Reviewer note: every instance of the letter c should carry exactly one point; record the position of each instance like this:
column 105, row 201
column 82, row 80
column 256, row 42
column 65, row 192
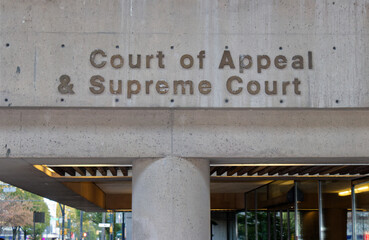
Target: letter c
column 93, row 56
column 229, row 85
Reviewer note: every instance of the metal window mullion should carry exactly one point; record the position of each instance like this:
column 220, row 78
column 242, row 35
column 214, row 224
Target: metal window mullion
column 245, row 200
column 256, row 215
column 236, row 223
column 281, row 223
column 288, row 225
column 353, row 214
column 269, row 225
column 274, row 225
column 228, row 238
column 320, row 198
column 296, row 214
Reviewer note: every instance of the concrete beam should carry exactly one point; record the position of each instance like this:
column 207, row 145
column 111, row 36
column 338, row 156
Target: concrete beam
column 224, row 136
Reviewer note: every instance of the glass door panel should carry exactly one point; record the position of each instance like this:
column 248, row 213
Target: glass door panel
column 362, row 211
column 336, row 209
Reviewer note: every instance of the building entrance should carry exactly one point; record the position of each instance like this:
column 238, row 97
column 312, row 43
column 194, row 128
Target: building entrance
column 307, row 210
column 253, row 202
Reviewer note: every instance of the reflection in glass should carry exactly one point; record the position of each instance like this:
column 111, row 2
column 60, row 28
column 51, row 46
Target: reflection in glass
column 336, row 210
column 362, row 208
column 250, row 216
column 262, row 213
column 323, row 210
column 269, row 212
column 308, row 219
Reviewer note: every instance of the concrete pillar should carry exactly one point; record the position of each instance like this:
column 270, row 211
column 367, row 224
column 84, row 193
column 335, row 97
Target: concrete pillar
column 171, row 199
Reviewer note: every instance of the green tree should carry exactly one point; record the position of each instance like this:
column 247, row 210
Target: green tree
column 262, row 220
column 29, row 203
column 90, row 222
column 15, row 213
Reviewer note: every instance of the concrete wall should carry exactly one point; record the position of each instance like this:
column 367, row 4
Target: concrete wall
column 41, row 40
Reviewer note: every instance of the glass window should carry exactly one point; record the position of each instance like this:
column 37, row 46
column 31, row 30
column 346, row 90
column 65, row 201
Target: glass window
column 250, row 216
column 271, row 213
column 262, row 213
column 362, row 208
column 308, row 210
column 241, row 226
column 336, row 209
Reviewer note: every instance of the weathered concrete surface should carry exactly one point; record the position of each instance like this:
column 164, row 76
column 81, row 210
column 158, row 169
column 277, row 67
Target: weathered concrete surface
column 271, row 134
column 171, row 199
column 82, row 133
column 337, row 33
column 229, row 136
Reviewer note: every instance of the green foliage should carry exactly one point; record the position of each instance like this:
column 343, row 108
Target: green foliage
column 91, row 221
column 262, row 225
column 241, row 226
column 33, row 203
column 38, row 205
column 91, row 224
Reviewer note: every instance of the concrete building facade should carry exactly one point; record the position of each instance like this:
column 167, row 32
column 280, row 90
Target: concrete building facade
column 172, row 109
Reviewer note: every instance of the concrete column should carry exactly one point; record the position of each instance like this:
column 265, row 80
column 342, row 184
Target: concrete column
column 171, row 199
